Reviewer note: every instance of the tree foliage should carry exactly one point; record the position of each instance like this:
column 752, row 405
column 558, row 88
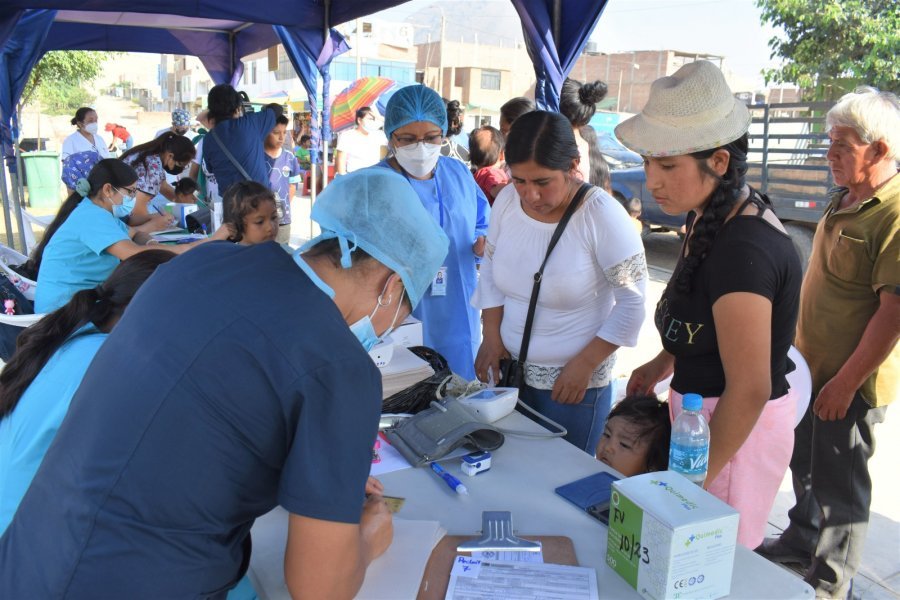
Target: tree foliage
column 833, row 45
column 64, row 68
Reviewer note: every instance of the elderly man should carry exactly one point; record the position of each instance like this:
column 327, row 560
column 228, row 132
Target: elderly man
column 847, row 330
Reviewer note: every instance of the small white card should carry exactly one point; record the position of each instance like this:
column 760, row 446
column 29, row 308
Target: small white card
column 439, row 283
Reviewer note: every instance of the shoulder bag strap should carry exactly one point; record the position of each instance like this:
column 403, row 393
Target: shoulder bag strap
column 529, row 320
column 229, row 155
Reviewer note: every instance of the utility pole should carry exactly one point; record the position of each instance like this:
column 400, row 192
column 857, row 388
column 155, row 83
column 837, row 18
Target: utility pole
column 441, row 55
column 358, row 43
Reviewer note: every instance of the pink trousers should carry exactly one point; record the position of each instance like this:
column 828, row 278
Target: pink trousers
column 750, row 480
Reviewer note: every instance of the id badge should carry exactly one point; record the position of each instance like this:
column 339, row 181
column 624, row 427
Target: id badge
column 439, row 283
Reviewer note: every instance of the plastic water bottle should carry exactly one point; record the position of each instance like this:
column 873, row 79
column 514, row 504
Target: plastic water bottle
column 689, row 450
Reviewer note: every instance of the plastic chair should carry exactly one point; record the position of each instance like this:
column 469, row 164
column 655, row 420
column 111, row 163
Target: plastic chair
column 8, row 257
column 10, row 328
column 800, row 380
column 30, row 221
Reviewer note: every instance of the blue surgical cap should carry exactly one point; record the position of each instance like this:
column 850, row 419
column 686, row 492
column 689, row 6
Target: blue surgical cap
column 414, row 103
column 377, row 210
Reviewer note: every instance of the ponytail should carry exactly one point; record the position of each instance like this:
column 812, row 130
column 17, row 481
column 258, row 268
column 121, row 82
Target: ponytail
column 102, row 306
column 109, row 170
column 181, row 148
column 718, row 207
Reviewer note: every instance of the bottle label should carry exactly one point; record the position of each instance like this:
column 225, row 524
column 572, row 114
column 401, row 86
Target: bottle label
column 688, row 460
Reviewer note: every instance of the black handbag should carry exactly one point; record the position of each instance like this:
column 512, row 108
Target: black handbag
column 512, row 371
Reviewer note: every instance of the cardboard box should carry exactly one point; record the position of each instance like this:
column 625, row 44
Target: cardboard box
column 409, row 333
column 669, row 538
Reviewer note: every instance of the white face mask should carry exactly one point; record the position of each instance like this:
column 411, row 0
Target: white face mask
column 91, row 127
column 418, row 159
column 369, row 125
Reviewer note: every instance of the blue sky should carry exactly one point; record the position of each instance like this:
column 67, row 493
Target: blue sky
column 730, row 28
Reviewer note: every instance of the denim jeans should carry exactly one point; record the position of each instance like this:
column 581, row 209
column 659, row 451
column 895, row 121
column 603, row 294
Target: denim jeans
column 584, row 421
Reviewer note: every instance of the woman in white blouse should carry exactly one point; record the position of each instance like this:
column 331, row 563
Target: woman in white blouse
column 592, row 295
column 83, row 149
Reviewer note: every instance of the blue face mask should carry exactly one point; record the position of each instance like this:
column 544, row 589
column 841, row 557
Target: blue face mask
column 365, row 331
column 120, row 211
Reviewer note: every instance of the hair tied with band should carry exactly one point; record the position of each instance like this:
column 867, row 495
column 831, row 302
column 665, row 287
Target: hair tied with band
column 83, row 187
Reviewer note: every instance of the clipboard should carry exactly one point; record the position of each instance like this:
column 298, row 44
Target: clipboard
column 556, row 549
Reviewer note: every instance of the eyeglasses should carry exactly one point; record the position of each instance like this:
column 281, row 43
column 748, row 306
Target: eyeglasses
column 131, row 191
column 408, row 140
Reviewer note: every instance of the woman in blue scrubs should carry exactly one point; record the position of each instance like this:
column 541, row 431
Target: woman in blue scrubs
column 415, row 122
column 87, row 239
column 37, row 385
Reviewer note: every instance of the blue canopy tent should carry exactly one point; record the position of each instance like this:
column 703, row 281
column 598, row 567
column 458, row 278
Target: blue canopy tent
column 220, row 32
column 226, row 32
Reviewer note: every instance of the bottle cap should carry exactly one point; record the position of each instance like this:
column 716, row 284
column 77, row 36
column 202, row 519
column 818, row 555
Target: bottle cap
column 691, row 402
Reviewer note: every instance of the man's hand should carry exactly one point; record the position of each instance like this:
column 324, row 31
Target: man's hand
column 833, row 400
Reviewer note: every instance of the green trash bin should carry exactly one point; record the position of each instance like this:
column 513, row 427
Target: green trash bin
column 43, row 173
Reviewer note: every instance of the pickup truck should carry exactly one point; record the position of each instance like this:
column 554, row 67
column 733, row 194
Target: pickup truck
column 786, row 161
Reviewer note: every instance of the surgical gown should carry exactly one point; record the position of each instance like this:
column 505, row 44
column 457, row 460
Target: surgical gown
column 450, row 324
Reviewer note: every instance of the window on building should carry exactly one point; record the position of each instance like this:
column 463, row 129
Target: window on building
column 420, row 77
column 253, row 72
column 490, row 80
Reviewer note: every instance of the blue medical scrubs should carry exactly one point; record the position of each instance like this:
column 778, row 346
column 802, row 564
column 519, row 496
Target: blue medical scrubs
column 450, row 324
column 76, row 258
column 188, row 425
column 26, row 432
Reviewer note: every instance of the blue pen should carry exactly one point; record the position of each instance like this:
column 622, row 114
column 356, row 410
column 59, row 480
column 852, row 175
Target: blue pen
column 452, row 481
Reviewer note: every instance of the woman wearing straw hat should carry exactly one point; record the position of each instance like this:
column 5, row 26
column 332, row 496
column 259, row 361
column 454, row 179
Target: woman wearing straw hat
column 727, row 316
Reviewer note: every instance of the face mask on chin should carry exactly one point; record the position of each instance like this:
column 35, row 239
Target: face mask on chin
column 364, row 330
column 174, row 170
column 418, row 159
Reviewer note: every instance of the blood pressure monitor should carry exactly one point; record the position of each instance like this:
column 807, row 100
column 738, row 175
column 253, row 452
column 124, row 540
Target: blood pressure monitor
column 491, row 404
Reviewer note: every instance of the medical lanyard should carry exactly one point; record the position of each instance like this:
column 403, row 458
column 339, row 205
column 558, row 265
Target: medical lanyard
column 437, row 189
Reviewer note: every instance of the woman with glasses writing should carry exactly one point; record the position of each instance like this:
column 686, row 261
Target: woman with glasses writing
column 415, row 122
column 87, row 239
column 169, row 153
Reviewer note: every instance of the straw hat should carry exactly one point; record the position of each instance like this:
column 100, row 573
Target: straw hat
column 688, row 111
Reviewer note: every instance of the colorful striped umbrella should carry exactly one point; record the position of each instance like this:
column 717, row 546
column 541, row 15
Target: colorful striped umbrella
column 362, row 92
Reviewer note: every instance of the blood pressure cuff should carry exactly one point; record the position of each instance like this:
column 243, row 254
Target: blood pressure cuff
column 435, row 432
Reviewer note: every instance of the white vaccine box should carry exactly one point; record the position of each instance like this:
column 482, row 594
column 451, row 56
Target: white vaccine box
column 669, row 538
column 409, row 333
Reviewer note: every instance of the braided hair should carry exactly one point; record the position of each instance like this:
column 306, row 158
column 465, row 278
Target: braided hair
column 102, row 305
column 715, row 211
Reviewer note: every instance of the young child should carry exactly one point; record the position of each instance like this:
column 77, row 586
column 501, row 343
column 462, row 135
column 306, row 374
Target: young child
column 635, row 439
column 254, row 213
column 184, row 191
column 486, row 154
column 284, row 174
column 302, row 151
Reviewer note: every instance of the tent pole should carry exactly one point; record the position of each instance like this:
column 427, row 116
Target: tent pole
column 18, row 195
column 557, row 21
column 327, row 35
column 6, row 208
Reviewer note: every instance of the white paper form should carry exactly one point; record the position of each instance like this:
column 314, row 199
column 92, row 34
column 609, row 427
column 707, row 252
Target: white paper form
column 398, row 572
column 473, row 579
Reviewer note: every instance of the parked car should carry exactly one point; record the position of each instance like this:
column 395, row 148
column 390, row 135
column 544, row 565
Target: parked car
column 786, row 161
column 628, row 181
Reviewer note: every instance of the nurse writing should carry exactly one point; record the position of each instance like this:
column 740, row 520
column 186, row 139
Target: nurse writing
column 415, row 122
column 191, row 424
column 87, row 239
